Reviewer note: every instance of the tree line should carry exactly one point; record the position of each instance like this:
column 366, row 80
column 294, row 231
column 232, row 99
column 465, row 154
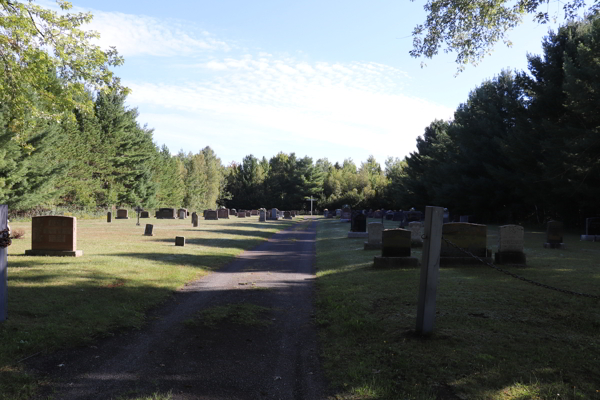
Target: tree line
column 525, row 146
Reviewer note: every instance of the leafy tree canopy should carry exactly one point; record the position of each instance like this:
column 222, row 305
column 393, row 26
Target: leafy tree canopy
column 38, row 45
column 471, row 28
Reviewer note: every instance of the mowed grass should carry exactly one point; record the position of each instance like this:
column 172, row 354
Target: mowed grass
column 56, row 302
column 495, row 337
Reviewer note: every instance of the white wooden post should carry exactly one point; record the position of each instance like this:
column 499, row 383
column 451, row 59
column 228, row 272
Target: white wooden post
column 3, row 267
column 430, row 266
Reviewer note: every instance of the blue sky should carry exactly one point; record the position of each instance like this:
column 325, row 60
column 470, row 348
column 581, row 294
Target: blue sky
column 324, row 79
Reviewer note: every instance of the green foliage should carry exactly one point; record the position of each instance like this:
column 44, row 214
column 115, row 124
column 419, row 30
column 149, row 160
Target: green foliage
column 36, row 40
column 472, row 28
column 522, row 147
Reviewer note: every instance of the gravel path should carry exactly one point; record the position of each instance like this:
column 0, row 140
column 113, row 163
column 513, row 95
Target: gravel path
column 274, row 360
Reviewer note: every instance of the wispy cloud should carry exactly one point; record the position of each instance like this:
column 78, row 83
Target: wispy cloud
column 359, row 102
column 202, row 88
column 135, row 35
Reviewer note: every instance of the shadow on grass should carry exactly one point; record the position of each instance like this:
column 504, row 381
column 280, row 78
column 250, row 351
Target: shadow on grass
column 207, row 261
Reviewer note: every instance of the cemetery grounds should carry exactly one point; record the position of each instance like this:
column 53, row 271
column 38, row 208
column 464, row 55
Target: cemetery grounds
column 58, row 302
column 495, row 337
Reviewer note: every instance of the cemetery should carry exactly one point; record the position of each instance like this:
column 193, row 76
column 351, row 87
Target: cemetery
column 122, row 264
column 488, row 326
column 491, row 294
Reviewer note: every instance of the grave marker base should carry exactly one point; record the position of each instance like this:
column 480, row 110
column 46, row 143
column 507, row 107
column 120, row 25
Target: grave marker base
column 395, row 262
column 121, row 217
column 555, row 246
column 358, row 234
column 54, row 253
column 372, row 246
column 447, row 261
column 591, row 238
column 510, row 257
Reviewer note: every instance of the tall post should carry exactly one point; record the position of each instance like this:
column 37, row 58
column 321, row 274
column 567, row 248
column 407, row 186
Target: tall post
column 430, row 266
column 3, row 267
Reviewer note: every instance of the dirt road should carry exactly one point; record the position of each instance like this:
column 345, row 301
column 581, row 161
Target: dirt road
column 272, row 354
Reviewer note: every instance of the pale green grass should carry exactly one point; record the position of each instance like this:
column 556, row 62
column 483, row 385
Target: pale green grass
column 54, row 302
column 495, row 337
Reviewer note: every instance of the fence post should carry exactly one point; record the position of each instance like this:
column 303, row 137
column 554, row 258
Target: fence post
column 430, row 266
column 3, row 266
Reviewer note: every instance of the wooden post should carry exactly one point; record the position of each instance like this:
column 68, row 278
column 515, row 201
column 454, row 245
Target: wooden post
column 3, row 267
column 430, row 266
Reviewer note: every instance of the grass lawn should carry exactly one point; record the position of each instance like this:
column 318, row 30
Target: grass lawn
column 55, row 302
column 495, row 337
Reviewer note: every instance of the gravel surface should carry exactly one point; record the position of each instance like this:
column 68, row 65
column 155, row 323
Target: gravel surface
column 277, row 359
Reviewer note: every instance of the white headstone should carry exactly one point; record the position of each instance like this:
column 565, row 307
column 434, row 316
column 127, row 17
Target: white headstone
column 415, row 232
column 374, row 229
column 510, row 238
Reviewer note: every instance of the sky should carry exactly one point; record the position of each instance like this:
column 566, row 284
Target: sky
column 321, row 79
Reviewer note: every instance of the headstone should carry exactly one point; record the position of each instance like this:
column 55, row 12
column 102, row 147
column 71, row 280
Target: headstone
column 554, row 235
column 253, row 212
column 592, row 230
column 510, row 245
column 241, row 214
column 377, row 214
column 182, row 213
column 293, row 212
column 359, row 223
column 395, row 243
column 415, row 234
column 446, row 216
column 179, row 240
column 413, row 215
column 287, row 215
column 395, row 250
column 338, row 212
column 471, row 237
column 211, row 215
column 109, row 217
column 346, row 215
column 398, row 216
column 223, row 213
column 4, row 263
column 144, row 214
column 194, row 219
column 389, row 215
column 325, row 213
column 262, row 216
column 274, row 213
column 122, row 214
column 248, row 213
column 375, row 230
column 166, row 213
column 468, row 219
column 149, row 229
column 54, row 235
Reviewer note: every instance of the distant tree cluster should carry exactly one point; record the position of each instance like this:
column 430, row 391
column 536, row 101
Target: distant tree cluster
column 524, row 146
